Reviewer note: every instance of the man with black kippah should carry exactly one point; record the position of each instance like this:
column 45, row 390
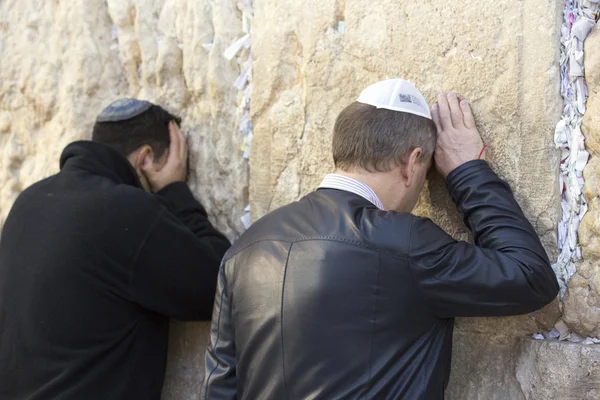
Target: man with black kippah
column 96, row 259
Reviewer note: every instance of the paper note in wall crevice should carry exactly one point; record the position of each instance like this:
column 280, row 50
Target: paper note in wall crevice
column 575, row 67
column 582, row 28
column 248, row 142
column 554, row 334
column 246, row 217
column 581, row 161
column 247, row 15
column 579, row 19
column 560, row 133
column 242, row 79
column 232, row 50
column 591, row 341
column 562, row 329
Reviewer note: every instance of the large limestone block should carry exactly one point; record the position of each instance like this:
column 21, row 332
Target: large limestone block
column 591, row 121
column 523, row 370
column 63, row 61
column 548, row 370
column 58, row 70
column 185, row 366
column 494, row 354
column 582, row 303
column 502, row 55
column 590, row 228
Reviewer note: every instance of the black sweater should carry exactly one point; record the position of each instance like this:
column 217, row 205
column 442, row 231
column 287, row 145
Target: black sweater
column 91, row 269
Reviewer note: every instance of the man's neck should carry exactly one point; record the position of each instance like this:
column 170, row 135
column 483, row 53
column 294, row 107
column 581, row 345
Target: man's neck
column 382, row 183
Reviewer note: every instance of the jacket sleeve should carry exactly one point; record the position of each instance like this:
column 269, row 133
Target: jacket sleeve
column 220, row 361
column 175, row 272
column 506, row 271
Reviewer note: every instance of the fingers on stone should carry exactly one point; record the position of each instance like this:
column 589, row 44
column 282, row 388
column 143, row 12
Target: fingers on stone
column 468, row 114
column 455, row 110
column 444, row 108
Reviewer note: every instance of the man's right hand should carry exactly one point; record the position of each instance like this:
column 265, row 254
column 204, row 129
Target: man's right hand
column 176, row 166
column 458, row 140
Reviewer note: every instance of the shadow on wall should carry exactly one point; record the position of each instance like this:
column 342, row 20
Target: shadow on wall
column 185, row 363
column 435, row 203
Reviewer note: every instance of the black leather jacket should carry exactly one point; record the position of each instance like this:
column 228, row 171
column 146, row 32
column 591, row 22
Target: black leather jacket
column 332, row 298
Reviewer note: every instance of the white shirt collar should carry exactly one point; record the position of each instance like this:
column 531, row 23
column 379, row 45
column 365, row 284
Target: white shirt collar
column 342, row 182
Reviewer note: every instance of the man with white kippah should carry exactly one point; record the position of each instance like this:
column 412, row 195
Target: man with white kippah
column 95, row 260
column 345, row 294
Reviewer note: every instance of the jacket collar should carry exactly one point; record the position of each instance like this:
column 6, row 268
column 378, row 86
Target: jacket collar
column 348, row 184
column 98, row 159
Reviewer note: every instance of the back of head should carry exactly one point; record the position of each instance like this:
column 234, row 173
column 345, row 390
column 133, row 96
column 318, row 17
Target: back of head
column 127, row 124
column 378, row 139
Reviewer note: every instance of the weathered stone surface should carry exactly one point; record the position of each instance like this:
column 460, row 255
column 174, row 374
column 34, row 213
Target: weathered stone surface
column 589, row 230
column 495, row 354
column 582, row 303
column 185, row 366
column 63, row 61
column 70, row 59
column 522, row 370
column 590, row 227
column 548, row 370
column 591, row 121
column 502, row 55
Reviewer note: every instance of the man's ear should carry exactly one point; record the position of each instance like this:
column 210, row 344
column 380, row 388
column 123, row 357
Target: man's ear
column 142, row 156
column 410, row 168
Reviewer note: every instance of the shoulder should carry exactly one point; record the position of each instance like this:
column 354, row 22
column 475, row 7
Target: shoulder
column 133, row 197
column 388, row 231
column 321, row 216
column 426, row 236
column 129, row 205
column 404, row 234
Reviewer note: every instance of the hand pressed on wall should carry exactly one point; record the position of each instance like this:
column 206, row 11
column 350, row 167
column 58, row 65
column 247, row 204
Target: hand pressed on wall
column 458, row 140
column 176, row 167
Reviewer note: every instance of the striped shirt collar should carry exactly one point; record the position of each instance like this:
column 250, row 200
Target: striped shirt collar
column 341, row 182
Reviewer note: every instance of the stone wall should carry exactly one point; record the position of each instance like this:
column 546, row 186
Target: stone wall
column 62, row 62
column 502, row 55
column 582, row 303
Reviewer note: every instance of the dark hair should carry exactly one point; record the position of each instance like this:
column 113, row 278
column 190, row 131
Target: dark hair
column 378, row 139
column 149, row 128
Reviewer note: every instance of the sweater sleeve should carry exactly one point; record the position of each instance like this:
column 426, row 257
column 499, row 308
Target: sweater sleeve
column 175, row 273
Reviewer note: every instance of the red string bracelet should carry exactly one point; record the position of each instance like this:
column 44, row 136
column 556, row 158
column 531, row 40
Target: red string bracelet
column 482, row 150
